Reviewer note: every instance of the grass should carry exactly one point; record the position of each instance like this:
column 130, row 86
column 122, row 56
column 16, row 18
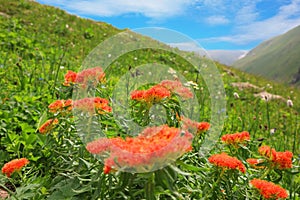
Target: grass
column 41, row 43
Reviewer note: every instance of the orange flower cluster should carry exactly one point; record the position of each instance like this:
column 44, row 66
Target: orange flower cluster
column 91, row 75
column 236, row 138
column 154, row 94
column 267, row 151
column 48, row 125
column 154, row 144
column 13, row 166
column 177, row 88
column 193, row 126
column 162, row 90
column 269, row 190
column 70, row 78
column 60, row 105
column 91, row 104
column 253, row 161
column 282, row 160
column 225, row 161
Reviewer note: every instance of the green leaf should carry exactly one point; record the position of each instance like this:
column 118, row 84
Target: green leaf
column 42, row 120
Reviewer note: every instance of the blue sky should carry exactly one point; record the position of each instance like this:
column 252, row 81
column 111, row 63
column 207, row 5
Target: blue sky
column 214, row 24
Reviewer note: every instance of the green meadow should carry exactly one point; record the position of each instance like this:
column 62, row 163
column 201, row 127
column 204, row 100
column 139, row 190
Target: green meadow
column 40, row 44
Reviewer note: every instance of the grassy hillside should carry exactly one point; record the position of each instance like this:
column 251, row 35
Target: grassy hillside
column 39, row 44
column 277, row 58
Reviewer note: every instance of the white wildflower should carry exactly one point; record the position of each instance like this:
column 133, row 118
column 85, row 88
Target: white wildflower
column 289, row 103
column 236, row 95
column 272, row 131
column 171, row 71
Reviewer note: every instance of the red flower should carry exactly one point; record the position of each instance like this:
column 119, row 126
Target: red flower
column 153, row 94
column 283, row 159
column 48, row 125
column 138, row 95
column 269, row 190
column 177, row 88
column 106, row 169
column 91, row 75
column 154, row 144
column 13, row 166
column 267, row 152
column 193, row 126
column 70, row 77
column 60, row 105
column 236, row 138
column 98, row 146
column 252, row 161
column 225, row 161
column 91, row 104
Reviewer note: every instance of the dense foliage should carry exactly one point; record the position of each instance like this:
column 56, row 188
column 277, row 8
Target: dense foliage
column 39, row 44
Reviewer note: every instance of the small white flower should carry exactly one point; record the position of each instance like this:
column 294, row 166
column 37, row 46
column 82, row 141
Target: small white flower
column 289, row 103
column 109, row 55
column 190, row 83
column 171, row 71
column 272, row 131
column 61, row 67
column 236, row 95
column 135, row 58
column 67, row 25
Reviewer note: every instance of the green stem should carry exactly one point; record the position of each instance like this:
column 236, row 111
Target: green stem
column 216, row 183
column 265, row 173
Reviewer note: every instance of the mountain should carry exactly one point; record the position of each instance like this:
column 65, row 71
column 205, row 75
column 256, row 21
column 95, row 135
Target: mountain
column 39, row 44
column 226, row 57
column 277, row 59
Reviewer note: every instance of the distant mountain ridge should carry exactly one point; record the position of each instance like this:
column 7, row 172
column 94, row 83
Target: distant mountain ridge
column 277, row 58
column 226, row 57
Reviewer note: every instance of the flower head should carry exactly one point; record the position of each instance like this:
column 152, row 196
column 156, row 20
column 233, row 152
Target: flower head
column 153, row 94
column 269, row 190
column 289, row 103
column 283, row 160
column 176, row 87
column 227, row 162
column 193, row 126
column 60, row 105
column 267, row 152
column 13, row 166
column 154, row 144
column 236, row 138
column 253, row 162
column 70, row 77
column 48, row 125
column 236, row 95
column 92, row 104
column 90, row 75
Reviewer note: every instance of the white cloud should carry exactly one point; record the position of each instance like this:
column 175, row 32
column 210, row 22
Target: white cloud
column 108, row 8
column 287, row 17
column 246, row 14
column 217, row 20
